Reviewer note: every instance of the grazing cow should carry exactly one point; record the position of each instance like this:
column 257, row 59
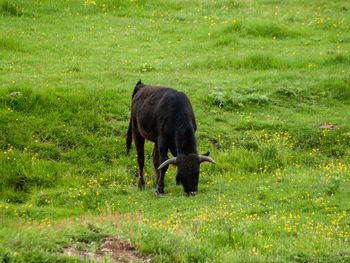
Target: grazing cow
column 165, row 117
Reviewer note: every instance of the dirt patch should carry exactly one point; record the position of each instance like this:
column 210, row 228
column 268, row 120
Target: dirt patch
column 120, row 250
column 113, row 248
column 214, row 143
column 328, row 127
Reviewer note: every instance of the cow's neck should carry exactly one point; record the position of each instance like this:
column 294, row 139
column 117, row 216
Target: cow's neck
column 186, row 142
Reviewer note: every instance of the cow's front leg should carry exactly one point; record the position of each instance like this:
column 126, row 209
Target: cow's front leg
column 140, row 145
column 160, row 181
column 174, row 153
column 156, row 161
column 163, row 156
column 178, row 181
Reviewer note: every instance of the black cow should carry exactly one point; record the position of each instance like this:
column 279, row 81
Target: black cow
column 165, row 117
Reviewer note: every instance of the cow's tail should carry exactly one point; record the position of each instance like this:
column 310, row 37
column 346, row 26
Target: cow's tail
column 138, row 86
column 129, row 138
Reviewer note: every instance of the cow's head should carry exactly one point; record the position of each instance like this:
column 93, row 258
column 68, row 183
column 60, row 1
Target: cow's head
column 188, row 170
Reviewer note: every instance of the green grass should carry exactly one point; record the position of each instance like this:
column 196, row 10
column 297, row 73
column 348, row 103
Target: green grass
column 262, row 77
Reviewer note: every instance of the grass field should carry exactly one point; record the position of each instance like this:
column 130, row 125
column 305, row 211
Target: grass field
column 269, row 82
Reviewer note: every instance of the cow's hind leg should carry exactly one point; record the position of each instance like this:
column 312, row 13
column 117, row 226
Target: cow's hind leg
column 140, row 149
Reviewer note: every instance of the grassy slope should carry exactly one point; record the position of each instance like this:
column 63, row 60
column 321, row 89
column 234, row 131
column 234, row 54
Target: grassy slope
column 261, row 75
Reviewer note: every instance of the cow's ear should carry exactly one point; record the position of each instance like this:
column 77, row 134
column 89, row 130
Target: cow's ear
column 204, row 158
column 206, row 154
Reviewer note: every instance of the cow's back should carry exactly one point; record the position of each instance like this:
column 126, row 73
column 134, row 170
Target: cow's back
column 161, row 111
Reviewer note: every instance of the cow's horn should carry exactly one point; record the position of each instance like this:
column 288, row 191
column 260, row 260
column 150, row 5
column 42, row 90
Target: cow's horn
column 167, row 162
column 204, row 158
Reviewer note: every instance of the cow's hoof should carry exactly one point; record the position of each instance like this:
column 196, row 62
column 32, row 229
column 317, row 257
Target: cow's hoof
column 141, row 186
column 160, row 189
column 158, row 194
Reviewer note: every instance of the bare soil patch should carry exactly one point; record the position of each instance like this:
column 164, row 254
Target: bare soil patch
column 120, row 250
column 114, row 248
column 328, row 127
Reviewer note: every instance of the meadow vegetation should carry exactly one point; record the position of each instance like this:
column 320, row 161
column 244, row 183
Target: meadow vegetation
column 270, row 86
